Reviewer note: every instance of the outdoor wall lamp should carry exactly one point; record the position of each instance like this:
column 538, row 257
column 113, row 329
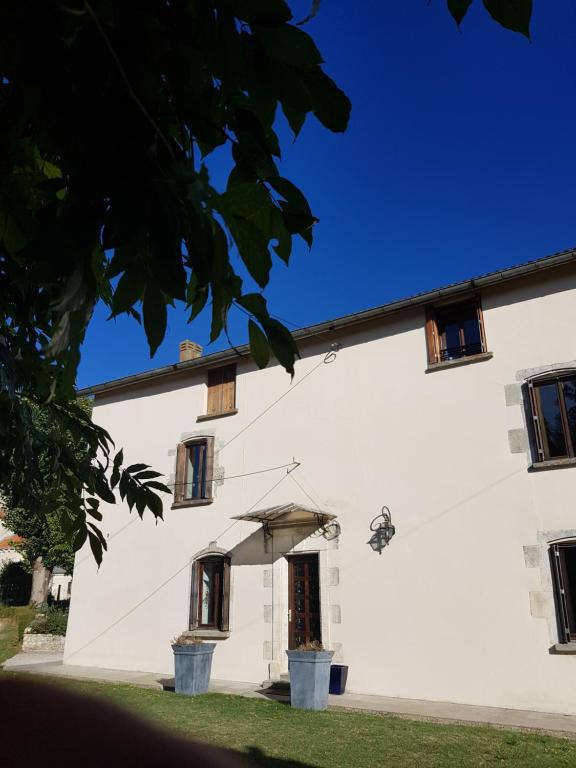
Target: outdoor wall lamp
column 383, row 530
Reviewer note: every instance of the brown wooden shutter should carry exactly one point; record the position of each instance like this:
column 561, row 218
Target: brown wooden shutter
column 228, row 388
column 480, row 317
column 536, row 421
column 225, row 613
column 180, row 478
column 431, row 336
column 215, row 386
column 194, row 595
column 208, row 489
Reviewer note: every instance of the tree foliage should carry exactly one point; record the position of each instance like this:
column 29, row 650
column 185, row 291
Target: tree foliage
column 56, row 508
column 108, row 113
column 512, row 14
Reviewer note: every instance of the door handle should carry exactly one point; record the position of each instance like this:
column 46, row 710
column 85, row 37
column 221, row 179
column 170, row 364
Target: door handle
column 289, row 615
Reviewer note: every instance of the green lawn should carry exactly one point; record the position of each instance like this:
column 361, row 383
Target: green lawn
column 11, row 638
column 271, row 734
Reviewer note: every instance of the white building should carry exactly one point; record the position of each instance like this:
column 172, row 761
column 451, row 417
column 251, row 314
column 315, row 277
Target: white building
column 455, row 408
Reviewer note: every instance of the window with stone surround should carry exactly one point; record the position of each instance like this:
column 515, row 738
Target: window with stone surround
column 210, row 594
column 553, row 411
column 194, row 472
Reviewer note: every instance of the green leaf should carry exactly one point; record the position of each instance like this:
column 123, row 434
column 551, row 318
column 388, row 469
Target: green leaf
column 281, row 342
column 329, row 103
column 115, row 477
column 259, row 346
column 512, row 14
column 128, row 291
column 148, row 474
column 141, row 501
column 136, row 468
column 154, row 503
column 459, row 9
column 98, row 533
column 102, row 489
column 291, row 194
column 79, row 538
column 155, row 317
column 262, row 11
column 96, row 548
column 253, row 249
column 124, row 482
column 289, row 45
column 255, row 303
column 131, row 494
column 245, row 199
column 158, row 486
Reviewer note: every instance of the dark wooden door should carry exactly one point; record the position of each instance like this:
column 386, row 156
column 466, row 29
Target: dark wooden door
column 303, row 601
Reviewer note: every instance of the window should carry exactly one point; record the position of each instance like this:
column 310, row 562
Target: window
column 194, row 471
column 553, row 406
column 455, row 331
column 210, row 594
column 563, row 562
column 221, row 390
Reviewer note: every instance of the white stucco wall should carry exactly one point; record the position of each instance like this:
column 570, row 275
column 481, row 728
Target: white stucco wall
column 446, row 612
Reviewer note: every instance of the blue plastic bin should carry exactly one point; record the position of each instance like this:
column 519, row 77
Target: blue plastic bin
column 338, row 677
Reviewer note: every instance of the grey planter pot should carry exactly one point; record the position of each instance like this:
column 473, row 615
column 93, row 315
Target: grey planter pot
column 309, row 678
column 192, row 667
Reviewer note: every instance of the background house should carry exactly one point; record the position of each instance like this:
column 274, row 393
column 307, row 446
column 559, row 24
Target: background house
column 455, row 408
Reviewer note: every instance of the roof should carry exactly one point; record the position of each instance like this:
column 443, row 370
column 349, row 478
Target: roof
column 286, row 515
column 9, row 541
column 346, row 321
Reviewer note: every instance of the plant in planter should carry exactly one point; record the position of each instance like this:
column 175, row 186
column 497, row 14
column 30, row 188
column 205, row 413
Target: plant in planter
column 309, row 668
column 192, row 664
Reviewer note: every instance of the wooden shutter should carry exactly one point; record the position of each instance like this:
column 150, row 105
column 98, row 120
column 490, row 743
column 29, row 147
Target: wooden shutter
column 194, row 595
column 215, row 382
column 480, row 316
column 536, row 421
column 228, row 388
column 208, row 484
column 180, row 478
column 221, row 390
column 225, row 610
column 431, row 336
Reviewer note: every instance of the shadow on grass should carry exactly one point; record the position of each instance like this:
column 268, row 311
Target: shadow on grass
column 255, row 757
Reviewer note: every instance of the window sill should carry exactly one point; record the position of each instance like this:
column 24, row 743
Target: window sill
column 191, row 503
column 209, row 416
column 459, row 361
column 563, row 649
column 207, row 634
column 540, row 466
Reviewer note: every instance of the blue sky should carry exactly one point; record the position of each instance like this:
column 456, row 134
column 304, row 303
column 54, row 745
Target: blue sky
column 460, row 159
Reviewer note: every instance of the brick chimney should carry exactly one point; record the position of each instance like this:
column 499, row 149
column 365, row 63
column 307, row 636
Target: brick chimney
column 189, row 350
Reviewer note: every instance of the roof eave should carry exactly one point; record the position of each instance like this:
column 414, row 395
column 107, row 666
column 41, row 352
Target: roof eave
column 346, row 321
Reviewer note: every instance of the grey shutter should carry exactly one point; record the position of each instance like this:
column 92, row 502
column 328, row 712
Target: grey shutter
column 225, row 613
column 560, row 594
column 194, row 595
column 536, row 422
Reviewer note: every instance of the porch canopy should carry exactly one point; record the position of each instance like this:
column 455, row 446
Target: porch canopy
column 288, row 515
